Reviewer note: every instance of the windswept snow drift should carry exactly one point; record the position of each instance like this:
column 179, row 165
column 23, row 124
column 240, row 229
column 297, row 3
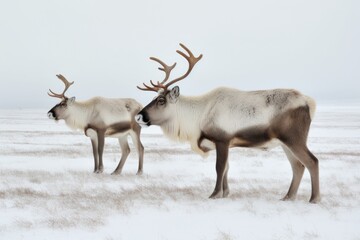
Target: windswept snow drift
column 48, row 190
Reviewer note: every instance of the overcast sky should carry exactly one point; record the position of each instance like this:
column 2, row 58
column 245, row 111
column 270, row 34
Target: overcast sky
column 104, row 46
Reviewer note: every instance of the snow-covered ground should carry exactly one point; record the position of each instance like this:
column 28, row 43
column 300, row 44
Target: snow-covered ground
column 48, row 190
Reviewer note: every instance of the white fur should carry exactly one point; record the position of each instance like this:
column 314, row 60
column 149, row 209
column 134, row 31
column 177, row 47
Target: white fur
column 100, row 111
column 103, row 117
column 229, row 110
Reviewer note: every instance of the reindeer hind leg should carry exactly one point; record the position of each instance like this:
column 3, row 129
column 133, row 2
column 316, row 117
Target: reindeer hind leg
column 312, row 164
column 292, row 130
column 298, row 171
column 300, row 152
column 125, row 150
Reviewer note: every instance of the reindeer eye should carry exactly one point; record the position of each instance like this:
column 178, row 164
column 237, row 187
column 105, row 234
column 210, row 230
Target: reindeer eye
column 161, row 101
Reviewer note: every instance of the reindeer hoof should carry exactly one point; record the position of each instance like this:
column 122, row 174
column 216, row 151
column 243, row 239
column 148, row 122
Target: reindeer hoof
column 226, row 193
column 139, row 172
column 216, row 195
column 288, row 198
column 315, row 199
column 116, row 172
column 98, row 171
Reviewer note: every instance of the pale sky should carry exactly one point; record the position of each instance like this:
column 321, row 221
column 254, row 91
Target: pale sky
column 104, row 46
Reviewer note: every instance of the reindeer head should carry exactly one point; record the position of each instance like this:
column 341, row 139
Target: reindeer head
column 162, row 107
column 59, row 110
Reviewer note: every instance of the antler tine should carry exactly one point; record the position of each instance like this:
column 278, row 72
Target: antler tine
column 148, row 88
column 54, row 94
column 67, row 85
column 192, row 60
column 158, row 85
column 167, row 69
column 65, row 81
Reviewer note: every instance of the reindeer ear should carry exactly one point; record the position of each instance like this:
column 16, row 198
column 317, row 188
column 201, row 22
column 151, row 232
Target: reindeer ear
column 70, row 101
column 174, row 94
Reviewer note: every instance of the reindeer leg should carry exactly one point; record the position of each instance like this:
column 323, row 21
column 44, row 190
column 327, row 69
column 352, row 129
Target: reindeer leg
column 293, row 130
column 298, row 171
column 302, row 153
column 91, row 133
column 226, row 190
column 101, row 142
column 222, row 151
column 125, row 150
column 95, row 154
column 135, row 135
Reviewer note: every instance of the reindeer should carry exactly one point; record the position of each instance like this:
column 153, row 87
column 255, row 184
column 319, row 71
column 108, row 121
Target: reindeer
column 225, row 118
column 101, row 117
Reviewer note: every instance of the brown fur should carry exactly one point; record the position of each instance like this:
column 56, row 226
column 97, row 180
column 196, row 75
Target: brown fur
column 291, row 128
column 98, row 117
column 225, row 118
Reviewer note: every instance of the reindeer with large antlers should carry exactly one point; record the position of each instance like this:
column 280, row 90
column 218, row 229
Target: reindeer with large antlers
column 101, row 117
column 226, row 118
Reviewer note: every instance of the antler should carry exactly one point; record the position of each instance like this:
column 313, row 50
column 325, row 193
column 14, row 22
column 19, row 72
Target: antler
column 67, row 85
column 156, row 87
column 192, row 60
column 167, row 69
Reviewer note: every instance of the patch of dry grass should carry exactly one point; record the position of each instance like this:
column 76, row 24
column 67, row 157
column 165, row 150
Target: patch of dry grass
column 77, row 199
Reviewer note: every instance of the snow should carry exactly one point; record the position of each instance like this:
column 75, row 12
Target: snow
column 48, row 190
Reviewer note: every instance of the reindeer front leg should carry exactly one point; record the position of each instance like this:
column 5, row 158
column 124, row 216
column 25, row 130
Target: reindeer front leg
column 94, row 144
column 135, row 135
column 101, row 143
column 221, row 186
column 92, row 134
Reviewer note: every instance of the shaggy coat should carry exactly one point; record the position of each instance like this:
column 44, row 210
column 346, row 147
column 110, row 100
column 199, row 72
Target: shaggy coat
column 225, row 118
column 103, row 117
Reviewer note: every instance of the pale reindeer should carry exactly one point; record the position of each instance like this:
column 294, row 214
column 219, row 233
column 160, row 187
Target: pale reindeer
column 101, row 117
column 226, row 118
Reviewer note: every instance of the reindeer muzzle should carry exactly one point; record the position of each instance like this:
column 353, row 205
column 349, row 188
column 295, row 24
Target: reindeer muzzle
column 142, row 120
column 51, row 115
